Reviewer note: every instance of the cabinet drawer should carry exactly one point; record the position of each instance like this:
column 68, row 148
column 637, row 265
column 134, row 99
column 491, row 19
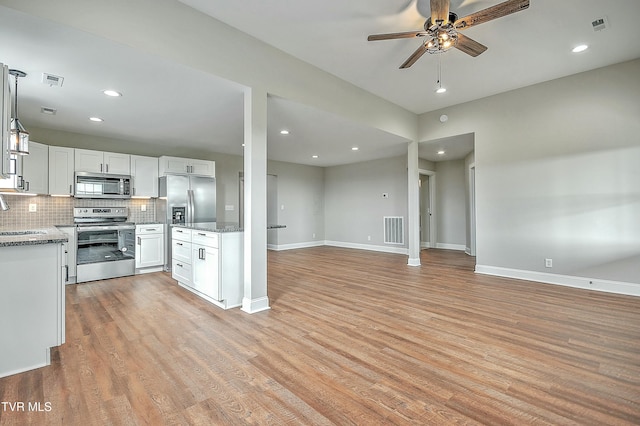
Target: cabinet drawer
column 149, row 229
column 181, row 234
column 181, row 271
column 209, row 239
column 181, row 250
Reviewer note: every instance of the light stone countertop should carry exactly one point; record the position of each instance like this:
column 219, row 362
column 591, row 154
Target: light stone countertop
column 23, row 237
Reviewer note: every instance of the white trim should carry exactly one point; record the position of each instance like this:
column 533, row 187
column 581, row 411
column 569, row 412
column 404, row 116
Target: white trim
column 396, row 250
column 251, row 306
column 460, row 247
column 413, row 262
column 293, row 246
column 596, row 284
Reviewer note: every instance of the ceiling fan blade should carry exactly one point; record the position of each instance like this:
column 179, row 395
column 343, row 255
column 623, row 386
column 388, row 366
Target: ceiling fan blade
column 491, row 13
column 391, row 36
column 440, row 11
column 469, row 45
column 415, row 56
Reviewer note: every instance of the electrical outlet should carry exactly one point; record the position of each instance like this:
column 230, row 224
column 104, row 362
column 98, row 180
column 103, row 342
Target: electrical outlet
column 33, row 207
column 369, row 238
column 314, row 235
column 548, row 263
column 229, row 207
column 143, row 208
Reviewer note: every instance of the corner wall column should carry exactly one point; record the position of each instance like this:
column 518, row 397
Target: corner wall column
column 255, row 201
column 413, row 208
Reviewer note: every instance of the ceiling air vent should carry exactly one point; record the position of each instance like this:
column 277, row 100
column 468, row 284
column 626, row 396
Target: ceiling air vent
column 52, row 80
column 48, row 111
column 600, row 24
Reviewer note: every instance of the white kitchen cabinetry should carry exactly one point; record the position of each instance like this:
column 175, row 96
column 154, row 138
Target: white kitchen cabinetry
column 35, row 169
column 180, row 165
column 102, row 162
column 209, row 264
column 181, row 255
column 144, row 171
column 69, row 253
column 5, row 116
column 149, row 248
column 32, row 305
column 61, row 168
column 29, row 173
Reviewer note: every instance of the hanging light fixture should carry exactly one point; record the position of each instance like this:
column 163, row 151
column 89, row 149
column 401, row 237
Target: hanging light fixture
column 18, row 136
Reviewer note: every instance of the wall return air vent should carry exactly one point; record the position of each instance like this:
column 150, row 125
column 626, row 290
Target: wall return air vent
column 393, row 230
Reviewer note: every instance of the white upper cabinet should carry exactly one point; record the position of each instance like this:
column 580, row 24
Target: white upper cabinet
column 181, row 165
column 35, row 169
column 61, row 168
column 29, row 173
column 144, row 171
column 102, row 162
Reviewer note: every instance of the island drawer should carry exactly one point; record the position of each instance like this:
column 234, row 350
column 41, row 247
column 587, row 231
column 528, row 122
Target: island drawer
column 181, row 250
column 181, row 234
column 209, row 239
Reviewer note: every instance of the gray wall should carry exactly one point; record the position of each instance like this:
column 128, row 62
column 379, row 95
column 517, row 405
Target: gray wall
column 301, row 193
column 451, row 210
column 557, row 173
column 354, row 205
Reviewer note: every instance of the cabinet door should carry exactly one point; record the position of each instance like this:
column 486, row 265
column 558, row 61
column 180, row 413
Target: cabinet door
column 172, row 165
column 205, row 270
column 89, row 161
column 70, row 275
column 116, row 163
column 202, row 167
column 61, row 167
column 35, row 169
column 144, row 171
column 5, row 113
column 149, row 250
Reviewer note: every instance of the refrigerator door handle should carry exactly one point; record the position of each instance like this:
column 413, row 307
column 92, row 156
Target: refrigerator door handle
column 190, row 207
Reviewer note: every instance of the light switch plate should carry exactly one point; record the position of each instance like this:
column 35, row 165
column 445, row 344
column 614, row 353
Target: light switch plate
column 33, row 207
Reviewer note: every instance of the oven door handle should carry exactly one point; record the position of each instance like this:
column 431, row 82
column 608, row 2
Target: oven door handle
column 105, row 228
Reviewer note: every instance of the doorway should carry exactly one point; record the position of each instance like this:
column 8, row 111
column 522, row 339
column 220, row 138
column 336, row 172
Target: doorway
column 427, row 201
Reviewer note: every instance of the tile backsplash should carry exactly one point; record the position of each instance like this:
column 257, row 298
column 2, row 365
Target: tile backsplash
column 51, row 211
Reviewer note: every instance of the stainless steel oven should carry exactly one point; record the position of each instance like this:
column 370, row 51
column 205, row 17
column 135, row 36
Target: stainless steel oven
column 105, row 245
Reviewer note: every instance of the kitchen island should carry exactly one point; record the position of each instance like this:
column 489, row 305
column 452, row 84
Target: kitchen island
column 32, row 304
column 207, row 260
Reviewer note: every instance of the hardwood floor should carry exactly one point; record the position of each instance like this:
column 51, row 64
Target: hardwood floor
column 352, row 337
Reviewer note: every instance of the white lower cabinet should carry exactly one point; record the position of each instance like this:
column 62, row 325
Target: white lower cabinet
column 209, row 264
column 69, row 259
column 149, row 248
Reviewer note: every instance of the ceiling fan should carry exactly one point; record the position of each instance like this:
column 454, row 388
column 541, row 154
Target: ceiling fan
column 442, row 30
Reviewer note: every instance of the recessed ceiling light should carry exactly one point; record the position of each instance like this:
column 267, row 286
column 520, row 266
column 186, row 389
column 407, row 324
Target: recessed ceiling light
column 441, row 152
column 96, row 119
column 580, row 48
column 314, row 156
column 284, row 132
column 112, row 93
column 354, row 148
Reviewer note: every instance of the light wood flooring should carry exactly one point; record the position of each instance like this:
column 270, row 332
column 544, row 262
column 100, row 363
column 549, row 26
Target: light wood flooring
column 352, row 337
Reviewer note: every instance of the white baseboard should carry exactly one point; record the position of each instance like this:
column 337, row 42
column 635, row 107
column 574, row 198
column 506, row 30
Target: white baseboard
column 251, row 306
column 460, row 247
column 371, row 247
column 294, row 246
column 596, row 284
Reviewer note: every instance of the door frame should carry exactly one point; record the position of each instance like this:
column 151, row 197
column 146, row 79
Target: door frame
column 432, row 206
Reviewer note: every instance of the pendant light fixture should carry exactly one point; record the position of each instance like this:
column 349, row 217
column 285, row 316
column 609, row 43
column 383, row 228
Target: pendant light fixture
column 18, row 136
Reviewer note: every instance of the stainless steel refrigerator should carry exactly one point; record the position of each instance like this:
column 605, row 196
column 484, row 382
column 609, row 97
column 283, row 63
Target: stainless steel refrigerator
column 184, row 199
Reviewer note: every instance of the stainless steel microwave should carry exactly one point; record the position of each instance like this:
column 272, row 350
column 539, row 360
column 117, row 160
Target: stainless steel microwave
column 102, row 185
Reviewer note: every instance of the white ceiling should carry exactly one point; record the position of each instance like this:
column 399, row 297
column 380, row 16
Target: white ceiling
column 165, row 104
